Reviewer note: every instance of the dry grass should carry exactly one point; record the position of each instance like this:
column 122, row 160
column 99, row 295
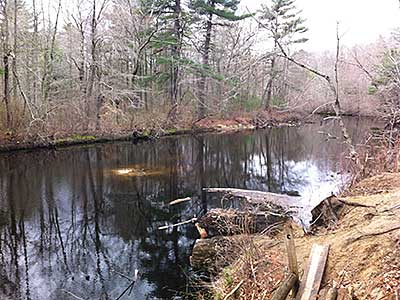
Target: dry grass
column 369, row 267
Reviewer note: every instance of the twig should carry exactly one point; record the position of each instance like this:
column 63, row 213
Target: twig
column 355, row 204
column 130, row 286
column 367, row 235
column 72, row 294
column 231, row 293
column 177, row 201
column 397, row 206
column 178, row 224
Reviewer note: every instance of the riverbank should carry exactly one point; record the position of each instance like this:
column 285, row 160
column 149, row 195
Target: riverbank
column 10, row 142
column 364, row 258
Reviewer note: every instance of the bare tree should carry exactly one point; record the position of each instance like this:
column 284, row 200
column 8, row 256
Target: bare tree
column 6, row 59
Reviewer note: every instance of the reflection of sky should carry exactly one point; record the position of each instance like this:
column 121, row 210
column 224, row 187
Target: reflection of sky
column 313, row 183
column 132, row 208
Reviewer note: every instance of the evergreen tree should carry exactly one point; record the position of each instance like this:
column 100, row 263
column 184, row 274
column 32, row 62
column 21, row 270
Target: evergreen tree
column 210, row 13
column 285, row 26
column 167, row 44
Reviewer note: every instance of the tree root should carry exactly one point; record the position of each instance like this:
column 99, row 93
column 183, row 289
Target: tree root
column 372, row 234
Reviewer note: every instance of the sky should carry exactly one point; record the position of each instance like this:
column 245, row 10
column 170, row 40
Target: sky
column 361, row 21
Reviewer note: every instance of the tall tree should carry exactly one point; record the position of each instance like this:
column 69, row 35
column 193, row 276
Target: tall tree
column 168, row 42
column 285, row 27
column 94, row 69
column 6, row 59
column 210, row 13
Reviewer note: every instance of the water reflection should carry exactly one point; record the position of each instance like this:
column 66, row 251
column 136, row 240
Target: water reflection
column 72, row 224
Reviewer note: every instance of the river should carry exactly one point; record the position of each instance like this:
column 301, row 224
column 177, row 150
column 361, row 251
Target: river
column 78, row 222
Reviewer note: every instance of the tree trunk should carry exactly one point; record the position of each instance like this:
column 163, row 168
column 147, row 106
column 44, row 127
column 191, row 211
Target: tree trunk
column 6, row 64
column 14, row 57
column 176, row 54
column 35, row 53
column 267, row 97
column 206, row 64
column 49, row 60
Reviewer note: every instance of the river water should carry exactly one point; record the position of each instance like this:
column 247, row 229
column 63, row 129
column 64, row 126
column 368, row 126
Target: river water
column 78, row 222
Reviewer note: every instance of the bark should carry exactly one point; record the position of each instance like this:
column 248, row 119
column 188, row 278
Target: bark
column 6, row 63
column 267, row 97
column 206, row 64
column 176, row 54
column 49, row 58
column 14, row 56
column 287, row 285
column 278, row 202
column 332, row 294
column 35, row 54
column 92, row 71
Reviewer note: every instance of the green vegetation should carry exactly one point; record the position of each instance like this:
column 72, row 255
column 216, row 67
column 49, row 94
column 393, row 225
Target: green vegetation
column 77, row 138
column 227, row 276
column 372, row 89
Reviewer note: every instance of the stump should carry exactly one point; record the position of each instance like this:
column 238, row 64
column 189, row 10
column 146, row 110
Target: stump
column 206, row 251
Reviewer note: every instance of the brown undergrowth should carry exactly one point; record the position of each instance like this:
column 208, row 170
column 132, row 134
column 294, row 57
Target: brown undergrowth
column 154, row 124
column 364, row 258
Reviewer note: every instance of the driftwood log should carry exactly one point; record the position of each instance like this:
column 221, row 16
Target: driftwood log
column 287, row 285
column 270, row 200
column 332, row 294
column 228, row 222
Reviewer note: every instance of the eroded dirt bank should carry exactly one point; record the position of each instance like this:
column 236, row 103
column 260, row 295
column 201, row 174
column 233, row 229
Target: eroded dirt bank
column 364, row 258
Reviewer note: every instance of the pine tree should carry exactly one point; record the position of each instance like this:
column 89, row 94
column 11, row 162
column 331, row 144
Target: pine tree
column 207, row 13
column 285, row 27
column 167, row 43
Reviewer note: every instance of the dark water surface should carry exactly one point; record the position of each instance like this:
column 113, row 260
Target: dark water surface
column 81, row 220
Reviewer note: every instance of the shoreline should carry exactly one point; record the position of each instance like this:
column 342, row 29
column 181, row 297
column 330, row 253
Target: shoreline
column 207, row 125
column 362, row 229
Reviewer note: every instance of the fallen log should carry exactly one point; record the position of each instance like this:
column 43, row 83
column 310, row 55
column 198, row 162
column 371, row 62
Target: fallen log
column 276, row 201
column 178, row 201
column 287, row 285
column 332, row 294
column 191, row 221
column 228, row 222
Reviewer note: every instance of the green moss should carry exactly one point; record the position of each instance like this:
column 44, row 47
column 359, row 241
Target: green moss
column 171, row 131
column 77, row 138
column 146, row 133
column 278, row 102
column 372, row 90
column 227, row 276
column 218, row 296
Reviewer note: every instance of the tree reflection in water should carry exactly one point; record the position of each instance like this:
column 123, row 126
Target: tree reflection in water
column 71, row 226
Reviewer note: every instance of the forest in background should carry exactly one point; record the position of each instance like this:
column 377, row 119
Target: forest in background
column 109, row 66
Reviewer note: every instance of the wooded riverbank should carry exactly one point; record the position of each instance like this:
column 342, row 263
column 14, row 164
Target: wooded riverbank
column 9, row 143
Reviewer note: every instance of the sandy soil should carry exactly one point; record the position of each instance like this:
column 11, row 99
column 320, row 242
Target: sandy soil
column 364, row 258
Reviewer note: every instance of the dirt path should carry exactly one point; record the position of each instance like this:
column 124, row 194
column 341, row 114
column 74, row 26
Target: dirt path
column 364, row 258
